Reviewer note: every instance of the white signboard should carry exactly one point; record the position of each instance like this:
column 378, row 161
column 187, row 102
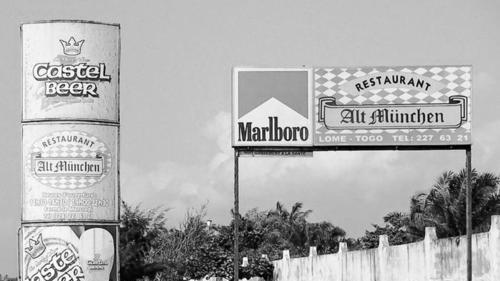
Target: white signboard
column 272, row 107
column 69, row 253
column 393, row 106
column 70, row 172
column 70, row 71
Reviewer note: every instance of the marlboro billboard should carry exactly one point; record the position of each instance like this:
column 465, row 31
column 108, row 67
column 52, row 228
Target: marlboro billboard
column 70, row 71
column 272, row 107
column 393, row 106
column 70, row 172
column 69, row 253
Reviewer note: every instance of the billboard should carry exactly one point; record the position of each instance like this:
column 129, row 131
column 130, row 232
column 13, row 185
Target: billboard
column 70, row 172
column 392, row 106
column 69, row 253
column 272, row 107
column 70, row 71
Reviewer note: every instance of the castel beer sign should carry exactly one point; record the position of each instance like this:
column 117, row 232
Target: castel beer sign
column 71, row 72
column 69, row 253
column 272, row 107
column 393, row 106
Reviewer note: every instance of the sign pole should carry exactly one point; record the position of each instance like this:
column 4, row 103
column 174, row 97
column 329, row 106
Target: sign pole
column 468, row 187
column 236, row 214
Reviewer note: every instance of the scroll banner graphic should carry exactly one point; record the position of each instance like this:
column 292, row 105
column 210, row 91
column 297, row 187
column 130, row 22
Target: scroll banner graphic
column 393, row 116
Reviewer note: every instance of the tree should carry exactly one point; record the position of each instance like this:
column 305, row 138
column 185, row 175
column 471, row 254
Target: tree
column 442, row 207
column 138, row 230
column 193, row 251
column 290, row 230
column 175, row 248
column 287, row 229
column 398, row 228
column 324, row 236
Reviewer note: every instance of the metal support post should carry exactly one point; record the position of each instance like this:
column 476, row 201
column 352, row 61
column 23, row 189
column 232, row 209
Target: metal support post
column 468, row 187
column 236, row 214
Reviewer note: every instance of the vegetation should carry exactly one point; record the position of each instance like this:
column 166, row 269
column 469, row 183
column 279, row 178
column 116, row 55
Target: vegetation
column 193, row 250
column 442, row 207
column 138, row 231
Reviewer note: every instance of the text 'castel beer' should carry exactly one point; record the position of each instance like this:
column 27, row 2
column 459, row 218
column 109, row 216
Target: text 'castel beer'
column 273, row 132
column 73, row 79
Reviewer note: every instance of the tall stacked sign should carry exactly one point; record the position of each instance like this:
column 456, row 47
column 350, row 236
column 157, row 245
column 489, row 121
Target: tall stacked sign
column 70, row 123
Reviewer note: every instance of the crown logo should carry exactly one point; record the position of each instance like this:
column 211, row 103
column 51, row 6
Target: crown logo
column 36, row 247
column 71, row 47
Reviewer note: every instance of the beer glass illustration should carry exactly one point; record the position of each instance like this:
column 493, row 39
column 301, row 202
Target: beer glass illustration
column 97, row 253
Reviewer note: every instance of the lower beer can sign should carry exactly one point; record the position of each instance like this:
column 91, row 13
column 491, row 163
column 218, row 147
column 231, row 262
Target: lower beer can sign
column 70, row 172
column 69, row 253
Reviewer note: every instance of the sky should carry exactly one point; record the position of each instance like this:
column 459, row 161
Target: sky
column 176, row 66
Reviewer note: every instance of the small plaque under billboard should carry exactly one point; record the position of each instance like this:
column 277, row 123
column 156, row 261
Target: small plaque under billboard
column 70, row 172
column 393, row 106
column 276, row 153
column 69, row 253
column 272, row 107
column 70, row 71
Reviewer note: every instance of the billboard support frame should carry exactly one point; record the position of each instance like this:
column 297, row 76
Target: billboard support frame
column 468, row 203
column 236, row 214
column 468, row 165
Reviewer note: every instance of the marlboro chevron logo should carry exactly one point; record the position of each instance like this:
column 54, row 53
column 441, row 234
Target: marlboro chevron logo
column 271, row 107
column 69, row 160
column 70, row 75
column 412, row 105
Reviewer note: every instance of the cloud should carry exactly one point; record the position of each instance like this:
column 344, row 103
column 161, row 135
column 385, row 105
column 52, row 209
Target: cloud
column 180, row 186
column 219, row 130
column 485, row 149
column 184, row 186
column 350, row 189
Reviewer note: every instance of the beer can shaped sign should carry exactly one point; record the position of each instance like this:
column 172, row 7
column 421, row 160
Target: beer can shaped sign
column 393, row 106
column 70, row 172
column 272, row 107
column 70, row 71
column 69, row 253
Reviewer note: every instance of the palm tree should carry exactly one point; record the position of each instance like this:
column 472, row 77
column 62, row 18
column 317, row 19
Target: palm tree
column 444, row 207
column 290, row 226
column 324, row 236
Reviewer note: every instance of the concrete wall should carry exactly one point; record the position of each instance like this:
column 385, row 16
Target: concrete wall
column 428, row 260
